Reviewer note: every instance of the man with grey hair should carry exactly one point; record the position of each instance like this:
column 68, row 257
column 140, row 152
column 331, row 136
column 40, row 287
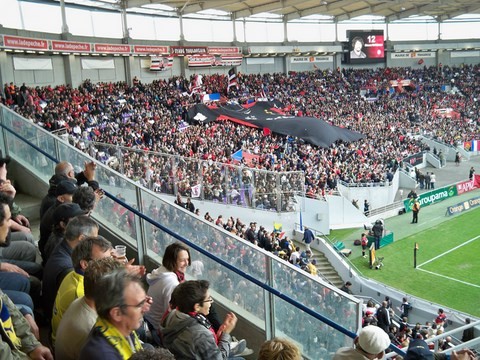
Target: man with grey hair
column 81, row 315
column 65, row 171
column 120, row 308
column 60, row 262
column 90, row 248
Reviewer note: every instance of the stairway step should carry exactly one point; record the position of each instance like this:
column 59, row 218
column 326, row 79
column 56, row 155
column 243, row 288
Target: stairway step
column 30, row 206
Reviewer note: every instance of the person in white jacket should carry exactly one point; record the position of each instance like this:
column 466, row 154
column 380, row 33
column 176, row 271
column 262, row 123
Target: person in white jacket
column 163, row 280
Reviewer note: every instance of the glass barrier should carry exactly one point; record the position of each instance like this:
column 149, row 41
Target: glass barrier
column 250, row 280
column 202, row 178
column 317, row 340
column 24, row 153
column 121, row 221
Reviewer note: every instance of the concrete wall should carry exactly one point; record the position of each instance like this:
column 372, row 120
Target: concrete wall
column 342, row 213
column 56, row 76
column 377, row 196
column 316, row 215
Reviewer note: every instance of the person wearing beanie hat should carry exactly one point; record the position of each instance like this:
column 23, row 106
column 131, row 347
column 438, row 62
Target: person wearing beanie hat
column 370, row 344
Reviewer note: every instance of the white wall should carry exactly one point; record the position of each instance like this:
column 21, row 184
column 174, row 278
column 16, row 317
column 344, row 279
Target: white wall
column 56, row 76
column 377, row 196
column 342, row 213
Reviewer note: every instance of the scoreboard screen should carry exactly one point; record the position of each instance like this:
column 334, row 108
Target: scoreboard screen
column 365, row 46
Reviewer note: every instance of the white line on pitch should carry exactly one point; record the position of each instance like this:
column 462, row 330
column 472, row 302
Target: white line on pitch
column 450, row 278
column 449, row 251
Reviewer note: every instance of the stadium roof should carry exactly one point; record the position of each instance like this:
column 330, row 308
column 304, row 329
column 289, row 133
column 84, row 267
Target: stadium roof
column 338, row 10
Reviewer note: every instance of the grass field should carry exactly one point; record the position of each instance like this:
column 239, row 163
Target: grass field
column 448, row 263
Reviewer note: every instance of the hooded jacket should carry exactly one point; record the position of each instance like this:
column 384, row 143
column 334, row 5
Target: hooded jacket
column 161, row 282
column 189, row 338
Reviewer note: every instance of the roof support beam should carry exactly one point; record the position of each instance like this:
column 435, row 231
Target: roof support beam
column 207, row 5
column 322, row 9
column 365, row 11
column 270, row 7
column 418, row 10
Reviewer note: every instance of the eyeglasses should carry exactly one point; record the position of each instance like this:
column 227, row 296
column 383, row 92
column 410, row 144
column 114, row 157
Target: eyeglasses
column 210, row 300
column 139, row 305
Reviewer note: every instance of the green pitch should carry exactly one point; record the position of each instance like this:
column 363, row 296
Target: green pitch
column 448, row 263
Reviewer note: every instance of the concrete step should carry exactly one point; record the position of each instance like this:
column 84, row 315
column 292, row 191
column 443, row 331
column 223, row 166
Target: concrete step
column 30, row 206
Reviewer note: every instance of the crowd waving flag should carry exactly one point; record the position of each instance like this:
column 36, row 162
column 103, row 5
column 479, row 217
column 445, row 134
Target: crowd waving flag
column 473, row 145
column 270, row 116
column 232, row 79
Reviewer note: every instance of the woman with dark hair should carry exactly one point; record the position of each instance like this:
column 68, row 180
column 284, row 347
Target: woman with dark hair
column 188, row 334
column 163, row 280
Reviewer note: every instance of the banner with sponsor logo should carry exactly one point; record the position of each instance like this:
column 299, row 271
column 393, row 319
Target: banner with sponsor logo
column 229, row 55
column 413, row 55
column 187, row 50
column 469, row 185
column 463, row 206
column 112, row 48
column 431, row 197
column 18, row 42
column 224, row 50
column 310, row 59
column 209, row 60
column 70, row 46
column 148, row 49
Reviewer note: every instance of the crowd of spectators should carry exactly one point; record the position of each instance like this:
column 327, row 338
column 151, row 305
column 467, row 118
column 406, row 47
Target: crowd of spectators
column 401, row 332
column 152, row 117
column 218, row 241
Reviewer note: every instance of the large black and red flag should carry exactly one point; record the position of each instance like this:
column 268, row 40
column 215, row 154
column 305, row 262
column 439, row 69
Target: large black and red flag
column 269, row 115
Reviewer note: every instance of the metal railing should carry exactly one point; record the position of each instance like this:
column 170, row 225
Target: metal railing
column 204, row 179
column 331, row 244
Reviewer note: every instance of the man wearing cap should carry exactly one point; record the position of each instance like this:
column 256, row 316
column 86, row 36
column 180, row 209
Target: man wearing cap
column 418, row 350
column 64, row 171
column 370, row 344
column 64, row 190
column 61, row 216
